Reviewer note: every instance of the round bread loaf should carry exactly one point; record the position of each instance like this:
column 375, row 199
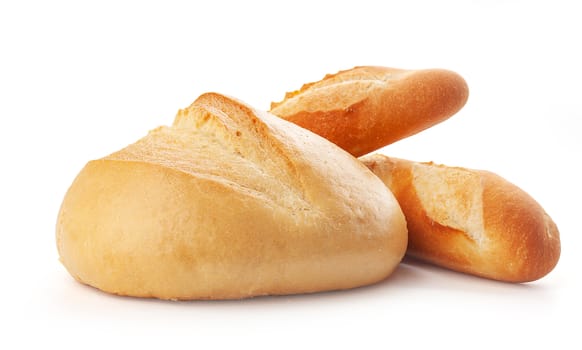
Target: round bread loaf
column 228, row 202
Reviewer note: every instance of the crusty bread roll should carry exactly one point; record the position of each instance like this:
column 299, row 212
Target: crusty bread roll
column 228, row 202
column 471, row 221
column 366, row 108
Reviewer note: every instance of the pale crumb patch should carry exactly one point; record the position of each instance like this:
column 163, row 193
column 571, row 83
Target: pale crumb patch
column 340, row 91
column 453, row 197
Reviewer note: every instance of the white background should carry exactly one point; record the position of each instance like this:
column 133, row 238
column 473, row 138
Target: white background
column 80, row 80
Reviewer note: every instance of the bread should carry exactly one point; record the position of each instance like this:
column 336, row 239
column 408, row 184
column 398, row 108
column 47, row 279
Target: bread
column 471, row 221
column 366, row 108
column 228, row 202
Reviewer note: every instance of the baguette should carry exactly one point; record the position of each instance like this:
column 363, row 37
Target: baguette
column 229, row 202
column 471, row 221
column 366, row 108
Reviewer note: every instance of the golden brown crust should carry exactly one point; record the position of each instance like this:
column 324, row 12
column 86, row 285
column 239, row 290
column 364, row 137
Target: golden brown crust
column 366, row 108
column 229, row 202
column 512, row 239
column 522, row 229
